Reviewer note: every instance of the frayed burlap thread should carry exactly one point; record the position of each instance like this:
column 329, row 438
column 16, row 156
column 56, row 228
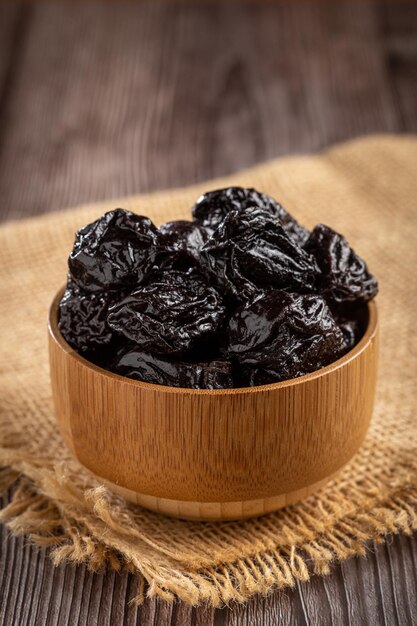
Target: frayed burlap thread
column 366, row 189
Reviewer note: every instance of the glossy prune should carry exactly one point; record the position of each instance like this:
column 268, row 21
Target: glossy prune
column 212, row 207
column 114, row 252
column 352, row 320
column 243, row 295
column 151, row 368
column 345, row 276
column 250, row 251
column 184, row 236
column 83, row 319
column 351, row 333
column 181, row 242
column 169, row 314
column 283, row 335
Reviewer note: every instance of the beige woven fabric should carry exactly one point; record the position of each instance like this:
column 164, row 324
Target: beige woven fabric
column 367, row 189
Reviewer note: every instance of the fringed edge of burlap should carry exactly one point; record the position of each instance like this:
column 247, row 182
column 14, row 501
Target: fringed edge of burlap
column 80, row 527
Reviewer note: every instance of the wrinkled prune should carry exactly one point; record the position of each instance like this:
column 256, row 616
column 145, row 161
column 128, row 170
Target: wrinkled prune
column 170, row 314
column 181, row 242
column 283, row 335
column 250, row 251
column 352, row 320
column 83, row 319
column 184, row 236
column 351, row 333
column 345, row 276
column 115, row 251
column 158, row 370
column 243, row 295
column 212, row 207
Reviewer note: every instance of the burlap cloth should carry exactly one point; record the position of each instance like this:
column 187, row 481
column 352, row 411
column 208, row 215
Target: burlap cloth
column 366, row 189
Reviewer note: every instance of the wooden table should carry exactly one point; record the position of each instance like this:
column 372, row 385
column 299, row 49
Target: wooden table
column 103, row 100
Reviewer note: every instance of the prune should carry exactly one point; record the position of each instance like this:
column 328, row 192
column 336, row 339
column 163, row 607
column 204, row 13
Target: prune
column 83, row 319
column 114, row 252
column 250, row 251
column 184, row 236
column 159, row 370
column 212, row 207
column 283, row 335
column 170, row 314
column 352, row 320
column 242, row 295
column 181, row 242
column 345, row 276
column 351, row 333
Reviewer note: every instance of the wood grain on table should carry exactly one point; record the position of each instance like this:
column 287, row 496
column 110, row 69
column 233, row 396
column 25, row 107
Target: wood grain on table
column 100, row 101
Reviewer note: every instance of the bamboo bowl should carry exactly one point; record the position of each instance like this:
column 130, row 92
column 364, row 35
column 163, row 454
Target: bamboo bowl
column 214, row 455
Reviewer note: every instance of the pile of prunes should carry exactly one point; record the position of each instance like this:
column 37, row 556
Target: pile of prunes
column 240, row 296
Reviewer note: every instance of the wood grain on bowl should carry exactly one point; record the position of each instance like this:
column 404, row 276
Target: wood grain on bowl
column 223, row 454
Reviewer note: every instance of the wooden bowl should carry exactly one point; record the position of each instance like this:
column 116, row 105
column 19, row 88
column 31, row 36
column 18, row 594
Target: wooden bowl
column 214, row 455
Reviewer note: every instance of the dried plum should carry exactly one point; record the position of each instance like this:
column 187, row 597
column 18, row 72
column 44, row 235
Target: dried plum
column 170, row 313
column 151, row 368
column 250, row 251
column 114, row 252
column 212, row 207
column 345, row 276
column 351, row 333
column 242, row 295
column 283, row 335
column 185, row 236
column 181, row 242
column 352, row 320
column 83, row 319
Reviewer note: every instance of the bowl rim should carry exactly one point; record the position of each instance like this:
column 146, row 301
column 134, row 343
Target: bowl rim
column 362, row 345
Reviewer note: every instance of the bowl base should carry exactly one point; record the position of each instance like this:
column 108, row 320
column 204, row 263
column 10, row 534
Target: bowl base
column 216, row 511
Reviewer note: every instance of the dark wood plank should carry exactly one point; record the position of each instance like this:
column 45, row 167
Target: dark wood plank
column 11, row 29
column 110, row 100
column 400, row 49
column 378, row 589
column 99, row 101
